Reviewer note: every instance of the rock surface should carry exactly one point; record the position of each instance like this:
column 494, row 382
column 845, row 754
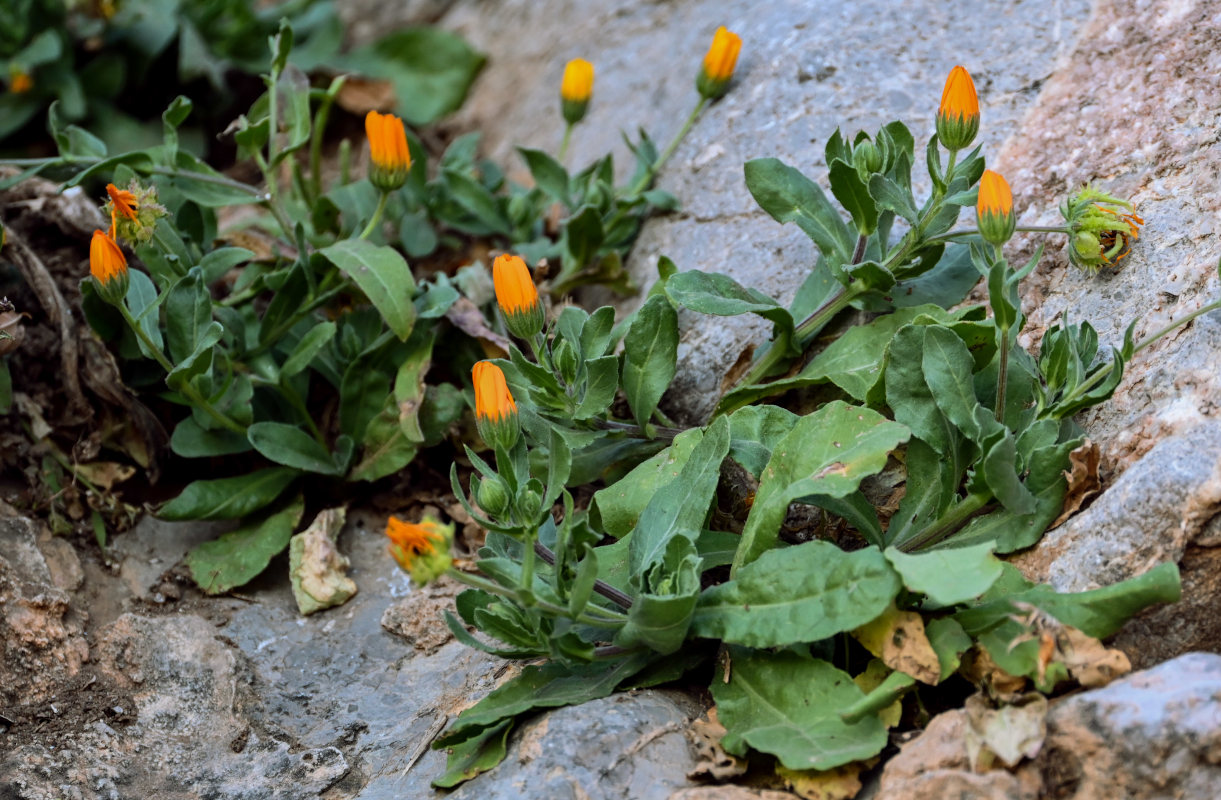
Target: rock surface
column 1155, row 733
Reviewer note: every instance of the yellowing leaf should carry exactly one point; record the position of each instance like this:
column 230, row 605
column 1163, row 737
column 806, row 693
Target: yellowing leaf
column 871, row 679
column 841, row 783
column 898, row 638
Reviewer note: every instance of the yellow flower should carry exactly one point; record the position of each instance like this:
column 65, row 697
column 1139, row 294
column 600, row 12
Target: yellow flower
column 421, row 549
column 576, row 89
column 20, row 82
column 719, row 63
column 388, row 151
column 958, row 115
column 495, row 409
column 517, row 296
column 994, row 208
column 108, row 266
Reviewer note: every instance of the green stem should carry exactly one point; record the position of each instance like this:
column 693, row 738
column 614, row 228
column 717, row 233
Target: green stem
column 294, row 399
column 1002, row 377
column 377, row 216
column 613, row 619
column 656, row 166
column 1099, row 374
column 959, row 234
column 186, row 387
column 326, row 292
column 662, row 432
column 321, row 118
column 564, row 143
column 946, row 524
column 603, row 588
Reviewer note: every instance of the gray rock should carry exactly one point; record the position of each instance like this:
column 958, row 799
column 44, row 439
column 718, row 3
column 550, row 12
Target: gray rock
column 627, row 745
column 1154, row 734
column 1135, row 108
column 1155, row 509
column 804, row 69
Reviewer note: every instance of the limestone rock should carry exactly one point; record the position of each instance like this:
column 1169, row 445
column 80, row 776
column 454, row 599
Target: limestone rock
column 1153, row 734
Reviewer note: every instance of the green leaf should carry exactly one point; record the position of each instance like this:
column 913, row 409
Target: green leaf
column 949, row 642
column 892, row 197
column 431, row 70
column 188, row 313
column 602, row 382
column 789, row 705
column 383, row 275
column 948, row 577
column 620, row 504
column 238, row 556
column 650, row 357
column 478, row 200
column 142, row 302
column 190, row 440
column 908, row 394
column 1098, row 612
column 228, row 498
column 219, row 261
column 664, row 519
column 946, row 283
column 853, row 195
column 721, row 295
column 797, row 594
column 307, row 347
column 660, row 615
column 385, row 448
column 828, row 453
column 549, row 174
column 789, row 196
column 932, row 484
column 754, row 432
column 478, row 754
column 998, row 470
column 547, row 686
column 289, row 445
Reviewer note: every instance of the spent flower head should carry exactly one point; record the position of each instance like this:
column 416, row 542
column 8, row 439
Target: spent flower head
column 495, row 409
column 1101, row 227
column 133, row 212
column 958, row 114
column 719, row 63
column 387, row 150
column 421, row 549
column 108, row 266
column 517, row 296
column 994, row 208
column 576, row 89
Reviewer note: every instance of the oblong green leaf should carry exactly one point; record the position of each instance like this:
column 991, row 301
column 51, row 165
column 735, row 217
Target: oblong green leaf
column 383, row 275
column 228, row 498
column 797, row 594
column 948, row 576
column 289, row 445
column 650, row 357
column 789, row 705
column 789, row 196
column 238, row 556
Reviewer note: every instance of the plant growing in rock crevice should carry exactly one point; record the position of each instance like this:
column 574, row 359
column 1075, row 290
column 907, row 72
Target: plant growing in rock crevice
column 815, row 644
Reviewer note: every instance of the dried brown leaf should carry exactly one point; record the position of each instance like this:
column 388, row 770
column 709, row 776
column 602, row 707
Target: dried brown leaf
column 1007, row 734
column 469, row 319
column 1082, row 477
column 840, row 783
column 362, row 95
column 714, row 763
column 1089, row 661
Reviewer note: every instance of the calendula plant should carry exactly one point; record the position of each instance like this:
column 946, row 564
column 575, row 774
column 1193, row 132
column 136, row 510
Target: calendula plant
column 822, row 639
column 305, row 363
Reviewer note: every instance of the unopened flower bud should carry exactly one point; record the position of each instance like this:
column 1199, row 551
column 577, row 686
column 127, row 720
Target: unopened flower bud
column 530, row 499
column 867, row 158
column 387, row 150
column 566, row 361
column 958, row 115
column 994, row 209
column 495, row 410
column 108, row 266
column 517, row 296
column 719, row 64
column 575, row 90
column 493, row 495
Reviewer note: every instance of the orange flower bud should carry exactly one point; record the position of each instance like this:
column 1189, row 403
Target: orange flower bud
column 517, row 296
column 495, row 409
column 719, row 64
column 576, row 89
column 388, row 151
column 994, row 208
column 108, row 266
column 958, row 115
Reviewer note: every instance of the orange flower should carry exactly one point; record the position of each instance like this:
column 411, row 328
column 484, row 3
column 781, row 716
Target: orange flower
column 421, row 549
column 719, row 63
column 20, row 82
column 388, row 151
column 517, row 296
column 108, row 266
column 958, row 115
column 122, row 201
column 994, row 208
